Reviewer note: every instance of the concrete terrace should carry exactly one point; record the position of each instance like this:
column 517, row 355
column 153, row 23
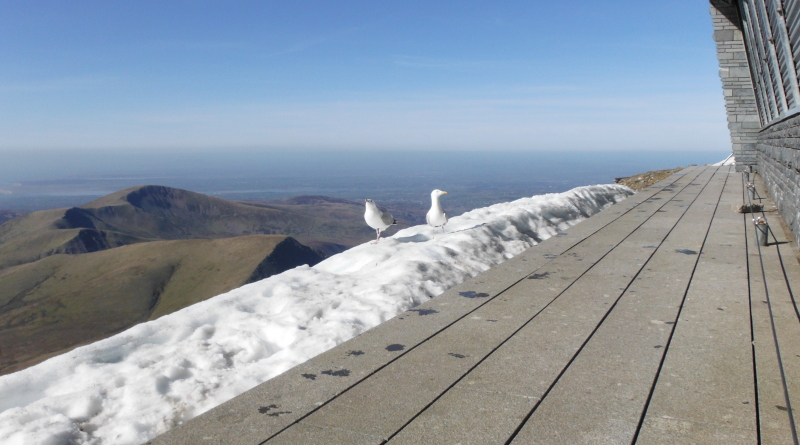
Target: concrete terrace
column 657, row 321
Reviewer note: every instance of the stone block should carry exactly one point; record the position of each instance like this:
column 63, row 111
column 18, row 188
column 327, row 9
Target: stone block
column 748, row 117
column 739, row 72
column 723, row 35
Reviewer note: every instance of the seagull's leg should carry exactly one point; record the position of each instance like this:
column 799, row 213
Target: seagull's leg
column 378, row 231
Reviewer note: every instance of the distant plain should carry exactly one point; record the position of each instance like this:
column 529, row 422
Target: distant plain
column 33, row 180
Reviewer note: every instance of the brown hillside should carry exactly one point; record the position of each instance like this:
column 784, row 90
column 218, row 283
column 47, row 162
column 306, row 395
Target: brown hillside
column 644, row 180
column 63, row 301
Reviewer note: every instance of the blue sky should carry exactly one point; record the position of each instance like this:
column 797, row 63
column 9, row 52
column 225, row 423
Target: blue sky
column 528, row 75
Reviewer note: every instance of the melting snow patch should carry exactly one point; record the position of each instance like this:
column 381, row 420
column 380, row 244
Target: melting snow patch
column 133, row 386
column 730, row 160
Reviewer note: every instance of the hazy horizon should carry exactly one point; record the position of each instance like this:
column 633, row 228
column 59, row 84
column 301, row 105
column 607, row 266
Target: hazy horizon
column 62, row 178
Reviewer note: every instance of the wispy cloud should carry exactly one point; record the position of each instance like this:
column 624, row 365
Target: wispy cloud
column 198, row 45
column 316, row 41
column 444, row 63
column 209, row 45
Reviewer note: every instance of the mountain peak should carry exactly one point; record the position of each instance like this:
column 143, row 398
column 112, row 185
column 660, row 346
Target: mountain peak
column 141, row 196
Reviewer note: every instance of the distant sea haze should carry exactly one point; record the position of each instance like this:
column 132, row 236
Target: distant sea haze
column 33, row 180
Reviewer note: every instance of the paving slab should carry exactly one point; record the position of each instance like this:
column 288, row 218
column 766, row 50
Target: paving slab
column 517, row 366
column 707, row 375
column 774, row 421
column 490, row 418
column 668, row 431
column 776, row 333
column 601, row 396
column 312, row 435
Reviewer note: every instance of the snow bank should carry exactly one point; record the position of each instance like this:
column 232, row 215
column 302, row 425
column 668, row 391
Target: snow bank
column 130, row 387
column 730, row 160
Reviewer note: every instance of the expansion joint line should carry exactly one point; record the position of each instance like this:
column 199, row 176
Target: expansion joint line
column 752, row 321
column 496, row 348
column 680, row 311
column 305, row 416
column 786, row 276
column 775, row 338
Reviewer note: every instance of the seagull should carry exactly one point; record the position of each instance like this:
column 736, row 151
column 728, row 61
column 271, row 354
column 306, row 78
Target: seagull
column 436, row 216
column 377, row 219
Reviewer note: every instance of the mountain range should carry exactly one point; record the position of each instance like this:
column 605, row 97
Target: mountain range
column 72, row 276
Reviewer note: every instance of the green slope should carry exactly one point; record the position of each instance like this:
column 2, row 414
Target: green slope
column 63, row 301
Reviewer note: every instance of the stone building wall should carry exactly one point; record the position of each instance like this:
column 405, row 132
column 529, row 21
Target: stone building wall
column 773, row 151
column 779, row 165
column 737, row 86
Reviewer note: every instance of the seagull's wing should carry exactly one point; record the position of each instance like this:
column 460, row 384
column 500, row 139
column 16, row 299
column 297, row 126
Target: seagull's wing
column 445, row 219
column 428, row 218
column 386, row 217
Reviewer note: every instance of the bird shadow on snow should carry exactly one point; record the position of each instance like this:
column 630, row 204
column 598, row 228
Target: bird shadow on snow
column 420, row 238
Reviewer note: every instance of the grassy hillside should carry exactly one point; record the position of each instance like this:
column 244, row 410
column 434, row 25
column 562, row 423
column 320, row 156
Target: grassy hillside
column 62, row 301
column 39, row 244
column 7, row 215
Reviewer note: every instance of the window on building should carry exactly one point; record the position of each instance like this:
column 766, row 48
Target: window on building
column 772, row 36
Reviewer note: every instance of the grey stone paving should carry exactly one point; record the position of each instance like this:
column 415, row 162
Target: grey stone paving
column 775, row 424
column 648, row 323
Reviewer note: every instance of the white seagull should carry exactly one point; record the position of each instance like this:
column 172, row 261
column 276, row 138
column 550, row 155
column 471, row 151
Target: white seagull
column 436, row 216
column 377, row 219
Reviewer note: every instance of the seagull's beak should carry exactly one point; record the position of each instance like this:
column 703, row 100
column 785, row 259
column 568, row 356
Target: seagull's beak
column 444, row 193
